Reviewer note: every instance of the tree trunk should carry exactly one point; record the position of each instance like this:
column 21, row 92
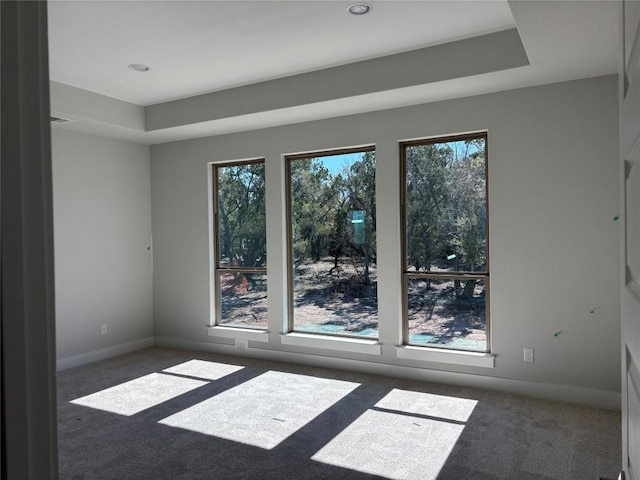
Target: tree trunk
column 469, row 286
column 226, row 231
column 456, row 287
column 367, row 281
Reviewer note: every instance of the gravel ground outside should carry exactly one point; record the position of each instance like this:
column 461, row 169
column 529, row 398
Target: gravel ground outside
column 337, row 301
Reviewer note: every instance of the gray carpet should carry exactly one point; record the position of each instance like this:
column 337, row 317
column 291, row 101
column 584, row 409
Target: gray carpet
column 168, row 414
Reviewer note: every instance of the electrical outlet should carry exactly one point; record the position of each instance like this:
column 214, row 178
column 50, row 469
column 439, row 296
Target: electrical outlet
column 103, row 329
column 241, row 344
column 528, row 355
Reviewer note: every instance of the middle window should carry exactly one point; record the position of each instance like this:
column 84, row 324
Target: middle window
column 331, row 223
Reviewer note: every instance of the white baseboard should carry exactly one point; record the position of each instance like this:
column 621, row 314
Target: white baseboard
column 103, row 353
column 561, row 393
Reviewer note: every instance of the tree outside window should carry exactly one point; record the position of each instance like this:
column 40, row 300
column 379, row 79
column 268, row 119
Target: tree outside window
column 445, row 238
column 240, row 244
column 332, row 243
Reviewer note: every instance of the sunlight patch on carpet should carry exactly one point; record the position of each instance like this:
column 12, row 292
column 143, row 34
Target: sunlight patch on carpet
column 139, row 394
column 398, row 446
column 441, row 406
column 263, row 411
column 204, row 369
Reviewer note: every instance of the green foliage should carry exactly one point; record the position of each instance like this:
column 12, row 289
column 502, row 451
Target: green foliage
column 445, row 210
column 322, row 209
column 241, row 210
column 446, row 206
column 313, row 198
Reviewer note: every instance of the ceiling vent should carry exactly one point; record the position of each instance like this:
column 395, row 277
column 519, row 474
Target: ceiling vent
column 59, row 119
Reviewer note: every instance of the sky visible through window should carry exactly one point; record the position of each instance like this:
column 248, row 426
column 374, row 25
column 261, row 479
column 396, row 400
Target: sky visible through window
column 336, row 163
column 445, row 237
column 333, row 244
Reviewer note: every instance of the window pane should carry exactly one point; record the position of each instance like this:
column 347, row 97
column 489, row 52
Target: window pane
column 333, row 244
column 243, row 300
column 241, row 216
column 241, row 245
column 447, row 313
column 446, row 206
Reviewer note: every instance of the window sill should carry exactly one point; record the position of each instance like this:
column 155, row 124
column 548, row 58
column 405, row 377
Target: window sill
column 353, row 345
column 425, row 354
column 241, row 333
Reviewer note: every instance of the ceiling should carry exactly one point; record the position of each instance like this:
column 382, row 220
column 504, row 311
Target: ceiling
column 220, row 50
column 197, row 47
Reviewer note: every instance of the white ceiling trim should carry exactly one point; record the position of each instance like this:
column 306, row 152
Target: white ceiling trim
column 564, row 40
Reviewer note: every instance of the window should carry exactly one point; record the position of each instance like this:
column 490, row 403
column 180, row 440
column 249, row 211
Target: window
column 445, row 240
column 331, row 211
column 240, row 245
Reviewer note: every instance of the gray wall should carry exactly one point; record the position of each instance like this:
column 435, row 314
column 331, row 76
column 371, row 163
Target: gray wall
column 103, row 261
column 553, row 180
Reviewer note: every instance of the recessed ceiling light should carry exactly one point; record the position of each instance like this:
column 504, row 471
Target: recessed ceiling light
column 138, row 67
column 359, row 8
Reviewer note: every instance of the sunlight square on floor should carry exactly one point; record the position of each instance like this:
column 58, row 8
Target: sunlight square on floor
column 203, row 369
column 263, row 411
column 428, row 404
column 139, row 394
column 399, row 446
